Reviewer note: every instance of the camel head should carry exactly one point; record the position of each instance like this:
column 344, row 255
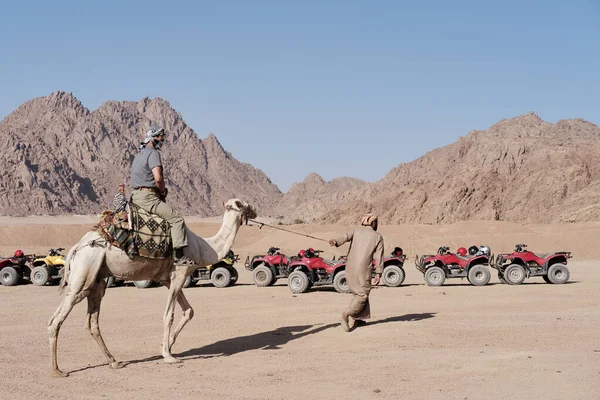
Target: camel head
column 236, row 205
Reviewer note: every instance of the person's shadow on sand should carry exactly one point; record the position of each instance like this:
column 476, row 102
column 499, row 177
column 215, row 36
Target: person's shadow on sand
column 274, row 339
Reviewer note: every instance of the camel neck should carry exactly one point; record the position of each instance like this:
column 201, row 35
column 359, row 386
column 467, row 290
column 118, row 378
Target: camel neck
column 213, row 249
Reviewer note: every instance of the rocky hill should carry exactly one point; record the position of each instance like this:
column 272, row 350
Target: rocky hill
column 314, row 197
column 522, row 169
column 59, row 158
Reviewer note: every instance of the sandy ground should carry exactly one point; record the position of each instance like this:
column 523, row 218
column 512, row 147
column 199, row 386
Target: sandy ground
column 534, row 341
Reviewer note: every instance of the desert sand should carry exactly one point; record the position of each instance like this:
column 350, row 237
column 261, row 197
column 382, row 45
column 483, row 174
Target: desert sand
column 534, row 341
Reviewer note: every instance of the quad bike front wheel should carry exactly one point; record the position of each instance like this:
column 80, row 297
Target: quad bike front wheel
column 221, row 277
column 479, row 275
column 144, row 284
column 435, row 276
column 298, row 282
column 40, row 275
column 393, row 275
column 558, row 274
column 340, row 283
column 262, row 276
column 514, row 274
column 9, row 276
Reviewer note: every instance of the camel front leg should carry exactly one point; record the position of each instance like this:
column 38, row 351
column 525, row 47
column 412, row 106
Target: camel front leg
column 174, row 289
column 54, row 324
column 188, row 314
column 92, row 325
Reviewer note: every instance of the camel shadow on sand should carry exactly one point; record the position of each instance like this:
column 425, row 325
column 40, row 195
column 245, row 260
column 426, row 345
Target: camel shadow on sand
column 268, row 340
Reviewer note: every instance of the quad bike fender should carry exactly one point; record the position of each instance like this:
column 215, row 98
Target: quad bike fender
column 337, row 270
column 39, row 262
column 300, row 267
column 477, row 261
column 555, row 258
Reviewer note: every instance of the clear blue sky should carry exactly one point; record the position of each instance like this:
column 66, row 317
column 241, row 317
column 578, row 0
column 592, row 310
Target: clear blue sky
column 341, row 88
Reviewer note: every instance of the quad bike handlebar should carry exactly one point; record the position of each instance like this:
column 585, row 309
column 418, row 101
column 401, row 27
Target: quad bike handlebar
column 443, row 250
column 55, row 252
column 273, row 250
column 519, row 247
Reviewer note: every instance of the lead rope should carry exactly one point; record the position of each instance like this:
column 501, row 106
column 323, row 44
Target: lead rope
column 286, row 230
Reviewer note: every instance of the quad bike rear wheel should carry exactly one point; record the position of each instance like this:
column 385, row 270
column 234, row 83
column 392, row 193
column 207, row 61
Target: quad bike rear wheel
column 435, row 276
column 234, row 275
column 393, row 275
column 340, row 283
column 262, row 276
column 144, row 284
column 189, row 281
column 298, row 282
column 40, row 275
column 221, row 277
column 9, row 276
column 501, row 278
column 514, row 274
column 479, row 275
column 558, row 274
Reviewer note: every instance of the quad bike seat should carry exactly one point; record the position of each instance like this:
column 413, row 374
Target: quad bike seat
column 465, row 258
column 329, row 262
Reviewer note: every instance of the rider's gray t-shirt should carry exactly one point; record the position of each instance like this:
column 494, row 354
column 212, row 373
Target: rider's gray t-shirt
column 141, row 167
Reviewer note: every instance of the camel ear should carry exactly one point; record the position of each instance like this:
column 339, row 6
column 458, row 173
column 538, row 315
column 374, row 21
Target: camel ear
column 223, row 204
column 239, row 204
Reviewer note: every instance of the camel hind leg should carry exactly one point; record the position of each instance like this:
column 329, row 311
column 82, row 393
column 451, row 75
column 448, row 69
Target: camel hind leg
column 188, row 314
column 175, row 286
column 92, row 325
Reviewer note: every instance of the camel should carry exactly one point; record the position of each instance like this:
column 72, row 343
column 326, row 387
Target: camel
column 92, row 259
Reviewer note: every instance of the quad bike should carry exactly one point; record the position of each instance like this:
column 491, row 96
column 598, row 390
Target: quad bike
column 15, row 269
column 48, row 269
column 308, row 270
column 267, row 268
column 221, row 274
column 513, row 268
column 436, row 268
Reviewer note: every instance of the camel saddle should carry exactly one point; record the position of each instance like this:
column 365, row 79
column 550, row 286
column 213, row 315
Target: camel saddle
column 137, row 232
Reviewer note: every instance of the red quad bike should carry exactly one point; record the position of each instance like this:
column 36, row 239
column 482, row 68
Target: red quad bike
column 513, row 268
column 311, row 270
column 15, row 269
column 267, row 268
column 436, row 268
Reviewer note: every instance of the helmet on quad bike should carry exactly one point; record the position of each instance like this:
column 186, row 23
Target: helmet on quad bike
column 461, row 251
column 230, row 254
column 397, row 251
column 301, row 253
column 19, row 253
column 310, row 252
column 484, row 250
column 473, row 250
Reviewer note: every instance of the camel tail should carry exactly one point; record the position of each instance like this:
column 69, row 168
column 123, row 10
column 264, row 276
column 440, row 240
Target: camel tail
column 66, row 269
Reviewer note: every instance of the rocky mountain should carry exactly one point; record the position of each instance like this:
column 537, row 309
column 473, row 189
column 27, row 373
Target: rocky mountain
column 314, row 197
column 521, row 169
column 59, row 157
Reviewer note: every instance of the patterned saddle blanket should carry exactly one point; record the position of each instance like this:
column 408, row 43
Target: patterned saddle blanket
column 137, row 232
